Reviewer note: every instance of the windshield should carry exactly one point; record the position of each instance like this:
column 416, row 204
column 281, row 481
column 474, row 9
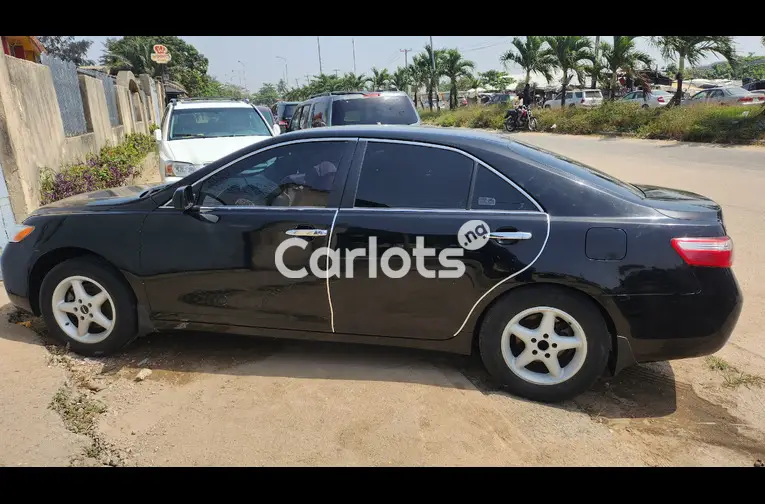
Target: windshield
column 580, row 170
column 382, row 109
column 216, row 122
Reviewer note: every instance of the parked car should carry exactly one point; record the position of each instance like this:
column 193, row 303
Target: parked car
column 655, row 98
column 283, row 112
column 553, row 270
column 269, row 117
column 586, row 98
column 343, row 108
column 732, row 95
column 502, row 98
column 196, row 132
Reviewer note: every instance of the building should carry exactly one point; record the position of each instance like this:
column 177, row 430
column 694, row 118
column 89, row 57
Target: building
column 24, row 47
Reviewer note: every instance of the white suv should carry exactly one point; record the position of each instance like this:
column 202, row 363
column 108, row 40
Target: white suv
column 195, row 132
column 587, row 98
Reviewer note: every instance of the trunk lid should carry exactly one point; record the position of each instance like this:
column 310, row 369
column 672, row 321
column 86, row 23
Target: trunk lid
column 680, row 204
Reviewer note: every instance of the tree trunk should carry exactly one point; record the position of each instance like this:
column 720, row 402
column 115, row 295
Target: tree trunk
column 563, row 92
column 595, row 65
column 613, row 86
column 679, row 93
column 430, row 96
column 528, row 77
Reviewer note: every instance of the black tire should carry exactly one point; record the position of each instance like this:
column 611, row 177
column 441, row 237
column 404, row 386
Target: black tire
column 126, row 327
column 580, row 308
column 645, row 106
column 547, row 106
column 510, row 126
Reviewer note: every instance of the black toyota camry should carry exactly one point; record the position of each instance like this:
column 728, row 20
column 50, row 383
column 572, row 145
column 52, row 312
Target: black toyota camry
column 439, row 239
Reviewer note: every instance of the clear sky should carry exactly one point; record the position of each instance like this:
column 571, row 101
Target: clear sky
column 260, row 62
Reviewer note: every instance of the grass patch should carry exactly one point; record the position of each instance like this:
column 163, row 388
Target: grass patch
column 701, row 123
column 113, row 166
column 78, row 411
column 732, row 376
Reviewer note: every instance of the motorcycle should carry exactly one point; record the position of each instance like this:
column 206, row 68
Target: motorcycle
column 520, row 116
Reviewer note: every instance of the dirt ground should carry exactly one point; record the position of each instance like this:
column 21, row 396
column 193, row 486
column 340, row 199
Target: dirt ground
column 198, row 400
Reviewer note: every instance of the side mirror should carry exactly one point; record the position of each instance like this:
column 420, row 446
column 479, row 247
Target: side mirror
column 158, row 135
column 183, row 198
column 277, row 130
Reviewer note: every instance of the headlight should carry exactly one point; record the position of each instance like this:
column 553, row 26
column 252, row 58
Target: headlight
column 178, row 169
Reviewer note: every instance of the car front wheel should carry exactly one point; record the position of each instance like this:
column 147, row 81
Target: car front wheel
column 544, row 343
column 86, row 305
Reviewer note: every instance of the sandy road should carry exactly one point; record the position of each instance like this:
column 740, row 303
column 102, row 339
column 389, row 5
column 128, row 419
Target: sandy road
column 226, row 400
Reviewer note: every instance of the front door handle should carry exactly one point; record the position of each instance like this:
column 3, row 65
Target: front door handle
column 510, row 235
column 307, row 232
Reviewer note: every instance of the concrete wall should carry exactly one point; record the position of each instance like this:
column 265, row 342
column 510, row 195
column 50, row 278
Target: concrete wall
column 32, row 134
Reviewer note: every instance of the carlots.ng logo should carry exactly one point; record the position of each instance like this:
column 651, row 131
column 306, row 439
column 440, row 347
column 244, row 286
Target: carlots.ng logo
column 472, row 235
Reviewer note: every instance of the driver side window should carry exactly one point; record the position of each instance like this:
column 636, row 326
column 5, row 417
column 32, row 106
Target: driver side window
column 297, row 175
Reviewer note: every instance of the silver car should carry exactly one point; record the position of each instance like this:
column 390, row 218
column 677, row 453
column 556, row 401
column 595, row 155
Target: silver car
column 587, row 98
column 726, row 96
column 652, row 99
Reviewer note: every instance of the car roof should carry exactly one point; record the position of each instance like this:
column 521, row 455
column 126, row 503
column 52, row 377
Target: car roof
column 457, row 137
column 203, row 104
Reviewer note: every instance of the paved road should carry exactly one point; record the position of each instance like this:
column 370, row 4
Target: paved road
column 237, row 401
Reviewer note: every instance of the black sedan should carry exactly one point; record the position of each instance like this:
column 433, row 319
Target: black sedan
column 418, row 237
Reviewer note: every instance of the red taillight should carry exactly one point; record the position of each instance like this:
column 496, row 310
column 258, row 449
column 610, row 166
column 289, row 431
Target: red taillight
column 660, row 99
column 283, row 123
column 710, row 252
column 582, row 101
column 747, row 99
column 371, row 95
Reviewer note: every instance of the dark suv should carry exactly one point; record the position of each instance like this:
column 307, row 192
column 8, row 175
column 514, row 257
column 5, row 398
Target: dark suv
column 283, row 113
column 345, row 108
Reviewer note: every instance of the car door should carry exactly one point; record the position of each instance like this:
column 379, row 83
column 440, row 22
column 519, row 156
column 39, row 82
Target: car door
column 699, row 98
column 219, row 265
column 401, row 198
column 717, row 97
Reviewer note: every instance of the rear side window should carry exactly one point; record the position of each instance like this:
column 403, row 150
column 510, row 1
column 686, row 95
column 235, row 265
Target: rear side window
column 374, row 109
column 593, row 94
column 412, row 176
column 491, row 192
column 579, row 94
column 305, row 117
column 319, row 113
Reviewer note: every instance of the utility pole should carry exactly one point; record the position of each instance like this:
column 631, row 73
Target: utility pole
column 435, row 77
column 244, row 74
column 406, row 66
column 307, row 79
column 597, row 62
column 336, row 70
column 286, row 77
column 318, row 45
column 353, row 42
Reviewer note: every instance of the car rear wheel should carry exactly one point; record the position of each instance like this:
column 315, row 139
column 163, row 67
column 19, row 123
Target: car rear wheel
column 544, row 344
column 86, row 305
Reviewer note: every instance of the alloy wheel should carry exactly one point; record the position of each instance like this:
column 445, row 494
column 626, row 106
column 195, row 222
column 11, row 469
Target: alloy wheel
column 83, row 309
column 544, row 345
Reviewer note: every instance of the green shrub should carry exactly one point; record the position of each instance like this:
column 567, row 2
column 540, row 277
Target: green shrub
column 152, row 127
column 111, row 167
column 711, row 123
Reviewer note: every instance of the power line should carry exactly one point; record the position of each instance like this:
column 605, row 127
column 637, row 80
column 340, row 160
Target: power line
column 489, row 45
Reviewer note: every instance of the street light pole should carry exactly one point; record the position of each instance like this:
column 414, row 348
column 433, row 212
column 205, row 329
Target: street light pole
column 353, row 43
column 318, row 45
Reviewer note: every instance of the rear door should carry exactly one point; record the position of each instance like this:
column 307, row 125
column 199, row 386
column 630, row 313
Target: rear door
column 410, row 238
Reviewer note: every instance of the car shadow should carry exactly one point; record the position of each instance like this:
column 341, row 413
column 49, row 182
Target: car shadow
column 180, row 357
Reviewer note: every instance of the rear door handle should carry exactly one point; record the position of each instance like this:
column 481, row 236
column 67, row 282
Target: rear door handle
column 307, row 232
column 510, row 235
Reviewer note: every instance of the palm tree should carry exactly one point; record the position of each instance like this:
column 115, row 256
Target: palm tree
column 454, row 67
column 134, row 54
column 353, row 82
column 417, row 77
column 763, row 40
column 425, row 61
column 625, row 57
column 379, row 79
column 400, row 78
column 568, row 54
column 530, row 56
column 693, row 49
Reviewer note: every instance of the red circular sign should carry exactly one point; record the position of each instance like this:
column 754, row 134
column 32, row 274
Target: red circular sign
column 160, row 49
